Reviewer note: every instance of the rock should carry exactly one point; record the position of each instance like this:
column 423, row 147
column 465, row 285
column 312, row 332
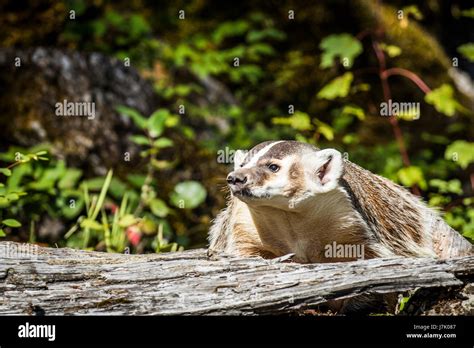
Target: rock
column 48, row 76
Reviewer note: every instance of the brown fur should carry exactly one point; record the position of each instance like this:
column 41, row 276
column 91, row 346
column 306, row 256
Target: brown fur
column 389, row 215
column 297, row 184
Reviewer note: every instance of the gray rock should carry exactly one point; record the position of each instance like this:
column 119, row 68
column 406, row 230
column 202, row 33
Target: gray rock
column 47, row 76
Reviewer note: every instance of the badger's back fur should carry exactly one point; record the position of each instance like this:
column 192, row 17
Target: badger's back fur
column 398, row 219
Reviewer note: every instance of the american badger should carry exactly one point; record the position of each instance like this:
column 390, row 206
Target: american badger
column 290, row 197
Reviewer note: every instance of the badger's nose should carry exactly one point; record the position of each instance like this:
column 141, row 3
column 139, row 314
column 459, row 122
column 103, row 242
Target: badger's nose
column 235, row 178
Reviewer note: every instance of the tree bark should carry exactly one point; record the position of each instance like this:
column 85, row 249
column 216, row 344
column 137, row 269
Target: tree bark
column 37, row 280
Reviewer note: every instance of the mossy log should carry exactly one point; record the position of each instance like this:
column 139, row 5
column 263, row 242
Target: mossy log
column 57, row 281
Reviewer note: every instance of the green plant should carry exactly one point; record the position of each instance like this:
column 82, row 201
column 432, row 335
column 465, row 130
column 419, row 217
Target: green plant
column 191, row 193
column 112, row 226
column 11, row 193
column 123, row 34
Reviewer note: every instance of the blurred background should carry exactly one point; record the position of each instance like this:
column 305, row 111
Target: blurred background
column 177, row 86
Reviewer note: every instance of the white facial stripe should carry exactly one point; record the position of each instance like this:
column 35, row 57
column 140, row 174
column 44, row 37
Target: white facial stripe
column 261, row 153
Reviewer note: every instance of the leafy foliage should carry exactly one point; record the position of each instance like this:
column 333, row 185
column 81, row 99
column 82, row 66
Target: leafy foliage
column 392, row 50
column 467, row 50
column 345, row 46
column 11, row 192
column 442, row 98
column 188, row 194
column 461, row 152
column 339, row 87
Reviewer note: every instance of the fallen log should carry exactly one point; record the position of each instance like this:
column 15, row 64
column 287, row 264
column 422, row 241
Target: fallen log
column 49, row 281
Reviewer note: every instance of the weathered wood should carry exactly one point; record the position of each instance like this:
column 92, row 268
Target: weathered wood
column 35, row 280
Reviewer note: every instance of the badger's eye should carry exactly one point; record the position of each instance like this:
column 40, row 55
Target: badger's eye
column 273, row 167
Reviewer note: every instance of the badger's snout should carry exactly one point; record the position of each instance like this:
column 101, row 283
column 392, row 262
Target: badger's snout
column 236, row 178
column 239, row 180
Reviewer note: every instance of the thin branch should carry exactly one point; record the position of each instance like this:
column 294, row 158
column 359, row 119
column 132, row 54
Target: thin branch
column 410, row 75
column 392, row 119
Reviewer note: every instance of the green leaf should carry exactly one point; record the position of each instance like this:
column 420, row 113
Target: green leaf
column 156, row 122
column 137, row 180
column 182, row 90
column 403, row 303
column 12, row 196
column 468, row 13
column 102, row 195
column 162, row 164
column 349, row 138
column 5, row 171
column 299, row 121
column 345, row 46
column 15, row 180
column 271, row 33
column 461, row 152
column 136, row 117
column 442, row 98
column 48, row 179
column 391, row 50
column 72, row 211
column 94, row 184
column 147, row 226
column 229, row 29
column 355, row 111
column 127, row 220
column 454, row 186
column 117, row 188
column 87, row 200
column 339, row 87
column 162, row 143
column 324, row 129
column 70, row 179
column 92, row 224
column 188, row 194
column 255, row 51
column 140, row 139
column 172, row 121
column 159, row 207
column 412, row 175
column 4, row 202
column 2, row 233
column 467, row 50
column 451, row 186
column 414, row 11
column 11, row 223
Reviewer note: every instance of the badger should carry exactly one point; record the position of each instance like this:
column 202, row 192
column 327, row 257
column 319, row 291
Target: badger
column 288, row 197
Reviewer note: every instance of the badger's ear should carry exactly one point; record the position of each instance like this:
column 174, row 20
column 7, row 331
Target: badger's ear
column 330, row 166
column 326, row 168
column 239, row 157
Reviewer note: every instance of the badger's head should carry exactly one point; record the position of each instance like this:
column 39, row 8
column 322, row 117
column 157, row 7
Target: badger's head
column 284, row 174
